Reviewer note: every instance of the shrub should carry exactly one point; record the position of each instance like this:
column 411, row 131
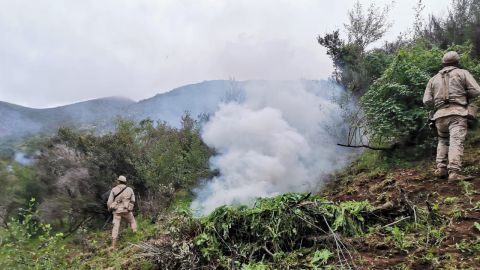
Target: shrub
column 393, row 103
column 30, row 244
column 75, row 170
column 278, row 226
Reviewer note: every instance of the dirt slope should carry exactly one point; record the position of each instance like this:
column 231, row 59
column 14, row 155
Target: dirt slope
column 452, row 242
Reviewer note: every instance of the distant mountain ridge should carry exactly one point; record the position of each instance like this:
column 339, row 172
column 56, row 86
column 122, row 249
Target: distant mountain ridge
column 100, row 114
column 17, row 120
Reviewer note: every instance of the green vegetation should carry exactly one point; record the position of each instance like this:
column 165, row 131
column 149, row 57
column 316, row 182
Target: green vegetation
column 68, row 182
column 277, row 227
column 393, row 103
column 390, row 80
column 30, row 244
column 74, row 171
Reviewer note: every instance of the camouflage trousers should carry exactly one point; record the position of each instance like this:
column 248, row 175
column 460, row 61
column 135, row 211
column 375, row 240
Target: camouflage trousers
column 117, row 217
column 451, row 137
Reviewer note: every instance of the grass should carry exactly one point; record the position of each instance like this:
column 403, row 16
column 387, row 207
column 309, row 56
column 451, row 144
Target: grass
column 91, row 248
column 181, row 201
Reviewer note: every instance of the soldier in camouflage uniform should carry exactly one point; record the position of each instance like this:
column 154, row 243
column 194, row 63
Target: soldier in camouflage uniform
column 121, row 202
column 449, row 93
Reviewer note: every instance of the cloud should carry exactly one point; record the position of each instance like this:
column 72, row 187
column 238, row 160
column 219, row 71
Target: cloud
column 56, row 52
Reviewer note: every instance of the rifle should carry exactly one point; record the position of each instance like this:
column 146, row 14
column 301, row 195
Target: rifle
column 111, row 214
column 108, row 220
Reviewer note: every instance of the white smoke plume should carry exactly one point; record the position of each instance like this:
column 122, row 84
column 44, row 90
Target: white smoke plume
column 281, row 138
column 23, row 159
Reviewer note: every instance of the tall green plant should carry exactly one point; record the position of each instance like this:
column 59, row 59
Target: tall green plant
column 393, row 103
column 28, row 243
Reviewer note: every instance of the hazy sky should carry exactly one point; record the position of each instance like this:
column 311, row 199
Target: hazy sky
column 57, row 52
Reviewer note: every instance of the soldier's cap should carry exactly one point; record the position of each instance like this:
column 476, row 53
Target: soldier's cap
column 122, row 179
column 451, row 57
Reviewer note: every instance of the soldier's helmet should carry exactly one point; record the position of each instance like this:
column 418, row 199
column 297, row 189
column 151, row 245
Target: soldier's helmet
column 122, row 179
column 451, row 57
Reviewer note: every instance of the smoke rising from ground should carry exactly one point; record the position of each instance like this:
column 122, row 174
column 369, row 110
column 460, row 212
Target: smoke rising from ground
column 23, row 159
column 281, row 138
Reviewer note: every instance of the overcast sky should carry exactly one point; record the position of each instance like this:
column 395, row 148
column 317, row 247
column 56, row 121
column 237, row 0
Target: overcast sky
column 57, row 52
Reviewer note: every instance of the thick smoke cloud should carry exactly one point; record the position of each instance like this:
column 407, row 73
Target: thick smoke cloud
column 282, row 138
column 23, row 159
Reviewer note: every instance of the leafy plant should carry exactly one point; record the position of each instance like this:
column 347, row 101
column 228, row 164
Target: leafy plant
column 31, row 244
column 320, row 258
column 467, row 188
column 476, row 225
column 277, row 225
column 468, row 246
column 393, row 103
column 450, row 200
column 255, row 266
column 399, row 238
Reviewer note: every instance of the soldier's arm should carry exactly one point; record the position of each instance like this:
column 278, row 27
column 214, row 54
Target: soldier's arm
column 428, row 96
column 471, row 85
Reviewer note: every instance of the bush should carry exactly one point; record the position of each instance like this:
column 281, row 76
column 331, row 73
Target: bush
column 27, row 243
column 277, row 228
column 75, row 170
column 393, row 103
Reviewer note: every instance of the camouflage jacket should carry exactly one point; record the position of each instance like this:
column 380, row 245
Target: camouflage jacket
column 461, row 88
column 123, row 202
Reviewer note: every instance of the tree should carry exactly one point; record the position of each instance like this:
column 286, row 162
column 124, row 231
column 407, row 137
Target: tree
column 363, row 28
column 366, row 27
column 355, row 67
column 333, row 43
column 462, row 24
column 418, row 23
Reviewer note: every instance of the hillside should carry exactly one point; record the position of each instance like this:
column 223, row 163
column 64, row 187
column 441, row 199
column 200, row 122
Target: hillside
column 406, row 189
column 17, row 121
column 394, row 215
column 197, row 98
column 100, row 114
column 385, row 212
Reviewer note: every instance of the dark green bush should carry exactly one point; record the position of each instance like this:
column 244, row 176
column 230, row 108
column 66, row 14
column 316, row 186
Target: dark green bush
column 393, row 103
column 75, row 170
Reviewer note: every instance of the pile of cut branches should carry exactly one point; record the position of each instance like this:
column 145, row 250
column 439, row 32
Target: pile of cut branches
column 174, row 248
column 293, row 230
column 293, row 223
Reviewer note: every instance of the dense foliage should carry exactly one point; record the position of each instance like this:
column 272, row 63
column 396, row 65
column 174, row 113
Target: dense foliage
column 461, row 24
column 393, row 104
column 28, row 243
column 74, row 170
column 290, row 231
column 391, row 79
column 276, row 226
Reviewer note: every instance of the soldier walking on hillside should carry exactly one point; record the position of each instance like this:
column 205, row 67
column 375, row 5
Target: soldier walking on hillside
column 449, row 93
column 121, row 202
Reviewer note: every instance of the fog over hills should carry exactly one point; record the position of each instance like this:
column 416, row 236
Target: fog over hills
column 100, row 114
column 17, row 121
